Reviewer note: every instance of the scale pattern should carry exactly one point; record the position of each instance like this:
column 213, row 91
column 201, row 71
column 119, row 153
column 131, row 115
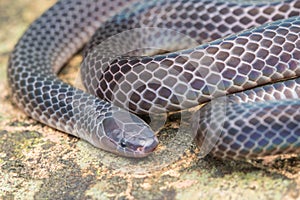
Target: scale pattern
column 187, row 78
column 48, row 43
column 168, row 82
column 249, row 130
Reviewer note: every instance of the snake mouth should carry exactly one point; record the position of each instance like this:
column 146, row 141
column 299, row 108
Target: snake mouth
column 131, row 150
column 140, row 151
column 148, row 148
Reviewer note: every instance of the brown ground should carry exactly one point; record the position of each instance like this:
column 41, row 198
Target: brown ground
column 37, row 162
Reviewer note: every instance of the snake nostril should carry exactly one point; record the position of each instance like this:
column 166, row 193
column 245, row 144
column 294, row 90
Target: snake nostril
column 140, row 149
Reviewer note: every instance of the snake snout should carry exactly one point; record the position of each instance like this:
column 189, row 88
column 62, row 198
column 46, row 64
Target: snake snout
column 149, row 146
column 128, row 135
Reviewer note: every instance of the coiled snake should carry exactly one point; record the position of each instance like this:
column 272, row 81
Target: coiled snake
column 232, row 63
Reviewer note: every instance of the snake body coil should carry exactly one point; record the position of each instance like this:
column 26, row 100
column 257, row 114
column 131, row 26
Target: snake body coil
column 269, row 53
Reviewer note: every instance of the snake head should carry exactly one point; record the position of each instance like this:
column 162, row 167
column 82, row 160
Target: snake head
column 128, row 135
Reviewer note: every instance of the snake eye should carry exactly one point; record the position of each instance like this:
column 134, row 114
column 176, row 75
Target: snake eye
column 123, row 143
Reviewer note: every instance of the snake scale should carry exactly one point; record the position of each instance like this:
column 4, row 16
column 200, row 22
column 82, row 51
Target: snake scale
column 248, row 51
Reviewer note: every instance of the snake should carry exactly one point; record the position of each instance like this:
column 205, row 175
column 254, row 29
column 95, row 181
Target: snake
column 248, row 52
